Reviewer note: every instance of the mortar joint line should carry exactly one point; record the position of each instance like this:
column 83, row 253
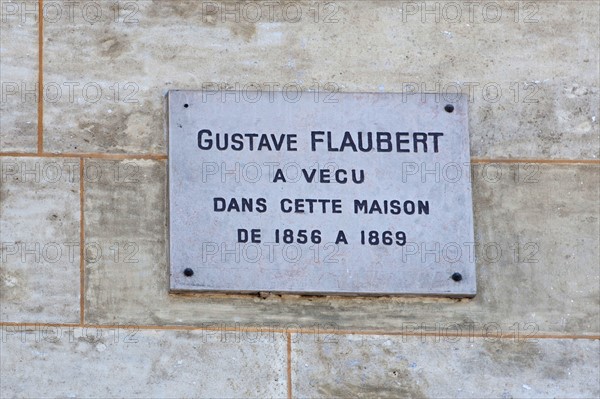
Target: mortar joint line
column 81, row 244
column 306, row 331
column 289, row 365
column 474, row 161
column 40, row 102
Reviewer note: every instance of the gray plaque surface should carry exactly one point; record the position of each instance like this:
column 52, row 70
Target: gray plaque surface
column 310, row 193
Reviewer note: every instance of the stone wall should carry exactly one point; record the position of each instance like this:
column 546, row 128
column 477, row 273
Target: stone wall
column 85, row 308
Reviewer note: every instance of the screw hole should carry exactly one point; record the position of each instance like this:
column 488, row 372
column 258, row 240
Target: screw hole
column 449, row 108
column 456, row 277
column 186, row 105
column 188, row 272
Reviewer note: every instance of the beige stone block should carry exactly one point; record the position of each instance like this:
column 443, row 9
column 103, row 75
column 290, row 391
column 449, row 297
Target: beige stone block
column 530, row 68
column 132, row 363
column 362, row 366
column 39, row 240
column 18, row 75
column 536, row 230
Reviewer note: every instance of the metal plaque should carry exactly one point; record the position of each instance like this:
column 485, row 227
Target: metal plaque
column 301, row 192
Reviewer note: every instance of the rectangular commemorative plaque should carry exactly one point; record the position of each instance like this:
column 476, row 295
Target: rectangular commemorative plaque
column 350, row 194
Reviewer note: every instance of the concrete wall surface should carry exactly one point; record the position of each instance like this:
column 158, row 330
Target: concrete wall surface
column 85, row 307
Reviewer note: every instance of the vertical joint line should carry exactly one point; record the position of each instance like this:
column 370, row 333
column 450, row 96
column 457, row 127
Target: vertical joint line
column 40, row 102
column 81, row 244
column 289, row 365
